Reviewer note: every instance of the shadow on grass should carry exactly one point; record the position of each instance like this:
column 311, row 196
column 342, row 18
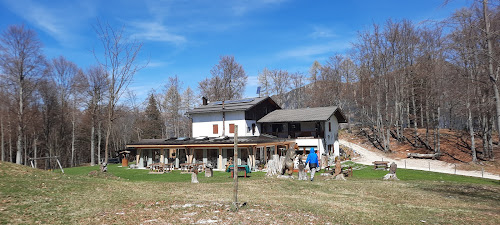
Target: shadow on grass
column 464, row 191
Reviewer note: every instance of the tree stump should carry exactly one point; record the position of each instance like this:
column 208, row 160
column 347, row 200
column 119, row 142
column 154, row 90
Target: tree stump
column 194, row 175
column 104, row 167
column 324, row 161
column 274, row 166
column 340, row 177
column 392, row 172
column 338, row 168
column 288, row 165
column 209, row 171
column 302, row 171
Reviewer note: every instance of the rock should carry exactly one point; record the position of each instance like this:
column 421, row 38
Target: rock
column 209, row 170
column 194, row 178
column 285, row 177
column 390, row 176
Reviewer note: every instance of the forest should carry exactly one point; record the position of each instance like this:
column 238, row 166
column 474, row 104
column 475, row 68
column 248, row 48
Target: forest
column 400, row 81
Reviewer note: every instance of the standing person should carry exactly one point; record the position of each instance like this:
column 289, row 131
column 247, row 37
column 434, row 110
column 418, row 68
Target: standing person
column 312, row 159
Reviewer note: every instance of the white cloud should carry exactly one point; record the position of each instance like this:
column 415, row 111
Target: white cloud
column 314, row 50
column 253, row 81
column 155, row 31
column 240, row 8
column 322, row 32
column 59, row 20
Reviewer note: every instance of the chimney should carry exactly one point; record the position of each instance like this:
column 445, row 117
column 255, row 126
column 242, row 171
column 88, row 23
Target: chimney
column 205, row 100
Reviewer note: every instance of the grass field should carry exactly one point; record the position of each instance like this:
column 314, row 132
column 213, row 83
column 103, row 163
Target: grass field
column 125, row 196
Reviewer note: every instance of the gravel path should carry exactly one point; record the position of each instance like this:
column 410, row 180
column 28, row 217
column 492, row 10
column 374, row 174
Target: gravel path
column 367, row 157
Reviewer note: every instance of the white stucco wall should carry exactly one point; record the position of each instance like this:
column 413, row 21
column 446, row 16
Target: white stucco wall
column 203, row 124
column 316, row 143
column 331, row 137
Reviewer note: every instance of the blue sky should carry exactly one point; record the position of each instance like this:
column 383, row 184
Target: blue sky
column 186, row 38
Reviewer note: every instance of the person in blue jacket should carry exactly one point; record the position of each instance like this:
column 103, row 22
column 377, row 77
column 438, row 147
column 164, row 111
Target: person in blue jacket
column 312, row 159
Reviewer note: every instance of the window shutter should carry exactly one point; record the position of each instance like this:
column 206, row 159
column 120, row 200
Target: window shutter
column 330, row 126
column 231, row 128
column 216, row 129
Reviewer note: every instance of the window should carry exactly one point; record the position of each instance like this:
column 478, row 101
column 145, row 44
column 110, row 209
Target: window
column 330, row 126
column 216, row 129
column 231, row 128
column 295, row 127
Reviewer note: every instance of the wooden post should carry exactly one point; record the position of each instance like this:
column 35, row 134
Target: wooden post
column 137, row 157
column 219, row 164
column 235, row 167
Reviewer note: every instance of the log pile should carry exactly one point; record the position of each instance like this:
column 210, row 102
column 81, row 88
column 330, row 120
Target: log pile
column 423, row 156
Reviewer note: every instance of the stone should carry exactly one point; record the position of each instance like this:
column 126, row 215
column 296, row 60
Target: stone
column 393, row 168
column 194, row 178
column 390, row 176
column 209, row 170
column 285, row 177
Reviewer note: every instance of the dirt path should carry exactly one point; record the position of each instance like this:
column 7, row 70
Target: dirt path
column 367, row 157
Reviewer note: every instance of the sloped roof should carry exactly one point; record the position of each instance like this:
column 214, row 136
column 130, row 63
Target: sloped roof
column 208, row 141
column 229, row 105
column 304, row 115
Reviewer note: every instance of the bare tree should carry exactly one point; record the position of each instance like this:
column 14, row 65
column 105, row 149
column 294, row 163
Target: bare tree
column 22, row 62
column 228, row 80
column 65, row 74
column 173, row 105
column 281, row 83
column 265, row 82
column 96, row 78
column 119, row 62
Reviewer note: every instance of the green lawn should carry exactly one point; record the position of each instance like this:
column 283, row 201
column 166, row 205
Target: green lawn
column 360, row 172
column 124, row 196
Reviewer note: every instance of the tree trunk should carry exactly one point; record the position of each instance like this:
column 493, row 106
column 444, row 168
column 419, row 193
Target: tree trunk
column 493, row 77
column 19, row 125
column 35, row 151
column 438, row 146
column 99, row 138
column 106, row 141
column 471, row 133
column 2, row 137
column 10, row 142
column 417, row 143
column 73, row 140
column 485, row 137
column 92, row 145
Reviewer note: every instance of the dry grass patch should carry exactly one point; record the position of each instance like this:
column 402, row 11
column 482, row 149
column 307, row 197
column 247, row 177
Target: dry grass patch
column 62, row 199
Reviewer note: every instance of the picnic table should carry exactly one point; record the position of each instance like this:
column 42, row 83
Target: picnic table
column 380, row 164
column 160, row 168
column 244, row 168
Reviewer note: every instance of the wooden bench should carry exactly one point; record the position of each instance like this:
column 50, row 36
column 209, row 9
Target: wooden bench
column 186, row 167
column 380, row 164
column 347, row 171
